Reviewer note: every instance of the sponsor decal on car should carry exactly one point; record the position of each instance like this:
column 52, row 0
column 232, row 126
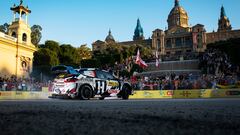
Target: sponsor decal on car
column 114, row 91
column 113, row 83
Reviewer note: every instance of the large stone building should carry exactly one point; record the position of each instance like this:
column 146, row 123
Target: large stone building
column 180, row 37
column 16, row 49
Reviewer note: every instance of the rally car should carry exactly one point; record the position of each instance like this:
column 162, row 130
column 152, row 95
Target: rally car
column 90, row 83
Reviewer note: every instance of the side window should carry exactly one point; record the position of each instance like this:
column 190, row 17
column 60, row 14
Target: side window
column 108, row 76
column 104, row 75
column 100, row 74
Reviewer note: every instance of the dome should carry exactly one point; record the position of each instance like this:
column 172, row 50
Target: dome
column 177, row 17
column 109, row 37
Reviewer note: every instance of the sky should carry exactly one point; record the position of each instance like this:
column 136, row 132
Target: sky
column 78, row 22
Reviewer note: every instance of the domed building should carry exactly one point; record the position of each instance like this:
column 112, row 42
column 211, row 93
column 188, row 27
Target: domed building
column 179, row 38
column 177, row 18
column 101, row 45
column 110, row 39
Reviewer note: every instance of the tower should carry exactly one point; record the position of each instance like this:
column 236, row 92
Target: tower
column 19, row 27
column 223, row 22
column 138, row 33
column 177, row 17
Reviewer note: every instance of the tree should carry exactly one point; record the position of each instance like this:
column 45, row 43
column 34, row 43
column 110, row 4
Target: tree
column 36, row 34
column 43, row 60
column 125, row 52
column 69, row 56
column 109, row 56
column 84, row 53
column 4, row 28
column 146, row 52
column 90, row 63
column 53, row 46
column 45, row 57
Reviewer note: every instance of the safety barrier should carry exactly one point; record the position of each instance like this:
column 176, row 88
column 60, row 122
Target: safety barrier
column 142, row 94
column 22, row 95
column 170, row 94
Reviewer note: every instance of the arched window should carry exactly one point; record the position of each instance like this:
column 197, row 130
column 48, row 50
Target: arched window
column 14, row 34
column 24, row 37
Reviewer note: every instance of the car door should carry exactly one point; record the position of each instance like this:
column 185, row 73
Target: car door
column 113, row 85
column 100, row 82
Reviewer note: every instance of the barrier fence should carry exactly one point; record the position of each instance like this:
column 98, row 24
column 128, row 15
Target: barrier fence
column 204, row 93
column 142, row 94
column 24, row 95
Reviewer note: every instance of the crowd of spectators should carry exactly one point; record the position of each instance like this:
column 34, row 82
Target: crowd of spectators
column 183, row 82
column 21, row 84
column 216, row 68
column 215, row 62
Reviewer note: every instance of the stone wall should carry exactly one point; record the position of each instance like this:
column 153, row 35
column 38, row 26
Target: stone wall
column 222, row 36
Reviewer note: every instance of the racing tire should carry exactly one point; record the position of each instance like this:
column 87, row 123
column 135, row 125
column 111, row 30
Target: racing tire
column 85, row 93
column 125, row 92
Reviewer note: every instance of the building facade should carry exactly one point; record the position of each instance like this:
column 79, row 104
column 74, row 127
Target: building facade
column 180, row 37
column 16, row 49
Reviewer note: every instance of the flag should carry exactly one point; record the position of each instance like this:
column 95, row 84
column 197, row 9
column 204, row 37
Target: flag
column 157, row 60
column 139, row 61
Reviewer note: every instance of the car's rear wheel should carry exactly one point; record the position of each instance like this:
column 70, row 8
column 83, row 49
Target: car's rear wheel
column 85, row 92
column 125, row 92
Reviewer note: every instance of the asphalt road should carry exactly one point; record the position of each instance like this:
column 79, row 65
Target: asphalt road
column 118, row 117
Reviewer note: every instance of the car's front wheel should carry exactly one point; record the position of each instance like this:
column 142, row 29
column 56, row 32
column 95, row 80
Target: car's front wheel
column 125, row 92
column 85, row 93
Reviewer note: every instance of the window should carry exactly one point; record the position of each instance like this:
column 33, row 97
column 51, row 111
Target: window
column 14, row 34
column 178, row 42
column 108, row 75
column 24, row 37
column 104, row 75
column 169, row 44
column 188, row 41
column 178, row 20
